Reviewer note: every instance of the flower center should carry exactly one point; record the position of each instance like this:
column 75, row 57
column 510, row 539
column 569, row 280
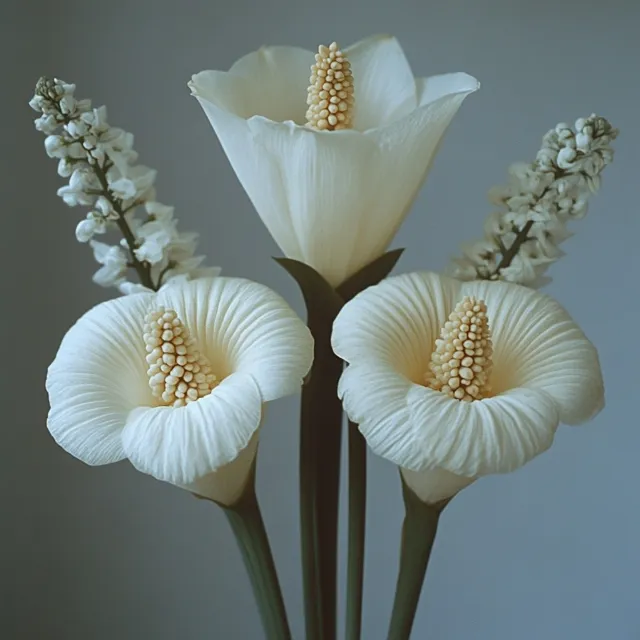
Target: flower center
column 178, row 372
column 461, row 362
column 330, row 94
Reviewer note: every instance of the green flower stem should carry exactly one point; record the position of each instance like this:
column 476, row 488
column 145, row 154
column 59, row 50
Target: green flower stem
column 248, row 527
column 418, row 535
column 356, row 536
column 320, row 440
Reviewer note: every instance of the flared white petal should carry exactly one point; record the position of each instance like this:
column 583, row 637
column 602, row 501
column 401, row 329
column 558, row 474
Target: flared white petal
column 538, row 346
column 245, row 327
column 495, row 435
column 97, row 377
column 434, row 485
column 544, row 371
column 180, row 445
column 334, row 199
column 396, row 322
column 421, row 429
column 271, row 82
column 384, row 84
column 227, row 483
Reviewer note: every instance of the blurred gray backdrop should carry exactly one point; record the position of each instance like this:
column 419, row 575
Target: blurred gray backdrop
column 102, row 554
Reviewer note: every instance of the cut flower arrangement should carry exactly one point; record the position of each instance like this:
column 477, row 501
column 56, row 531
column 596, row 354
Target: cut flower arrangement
column 450, row 377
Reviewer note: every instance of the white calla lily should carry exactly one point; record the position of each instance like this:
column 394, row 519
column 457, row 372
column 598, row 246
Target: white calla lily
column 544, row 371
column 252, row 348
column 331, row 199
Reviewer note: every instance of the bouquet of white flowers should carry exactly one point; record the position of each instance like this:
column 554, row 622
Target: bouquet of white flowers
column 450, row 377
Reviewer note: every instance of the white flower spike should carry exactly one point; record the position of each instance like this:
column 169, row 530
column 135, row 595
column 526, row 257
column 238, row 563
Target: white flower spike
column 99, row 161
column 333, row 199
column 175, row 381
column 530, row 364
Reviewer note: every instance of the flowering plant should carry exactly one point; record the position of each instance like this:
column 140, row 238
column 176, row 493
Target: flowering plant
column 450, row 377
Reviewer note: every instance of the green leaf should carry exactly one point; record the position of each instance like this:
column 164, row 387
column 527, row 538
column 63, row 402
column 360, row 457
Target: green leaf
column 373, row 273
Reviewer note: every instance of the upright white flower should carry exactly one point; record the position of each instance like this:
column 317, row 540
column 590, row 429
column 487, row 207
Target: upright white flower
column 452, row 381
column 331, row 198
column 175, row 381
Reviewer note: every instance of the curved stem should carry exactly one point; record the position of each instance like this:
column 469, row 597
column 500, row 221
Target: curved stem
column 143, row 269
column 248, row 527
column 418, row 535
column 357, row 527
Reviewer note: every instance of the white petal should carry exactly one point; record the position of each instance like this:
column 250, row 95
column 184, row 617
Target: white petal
column 375, row 398
column 396, row 322
column 227, row 483
column 445, row 85
column 421, row 429
column 258, row 170
column 243, row 326
column 384, row 87
column 331, row 199
column 180, row 445
column 271, row 82
column 495, row 435
column 434, row 485
column 538, row 346
column 98, row 376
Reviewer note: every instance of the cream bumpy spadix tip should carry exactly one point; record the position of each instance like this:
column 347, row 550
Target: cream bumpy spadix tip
column 178, row 372
column 330, row 94
column 461, row 362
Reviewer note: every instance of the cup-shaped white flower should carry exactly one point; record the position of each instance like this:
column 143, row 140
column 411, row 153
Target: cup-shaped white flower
column 175, row 381
column 416, row 343
column 333, row 199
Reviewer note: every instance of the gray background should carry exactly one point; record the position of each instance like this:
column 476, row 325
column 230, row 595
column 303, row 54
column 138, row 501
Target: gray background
column 548, row 552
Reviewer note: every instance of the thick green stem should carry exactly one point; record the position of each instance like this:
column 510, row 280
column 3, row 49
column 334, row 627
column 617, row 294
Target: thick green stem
column 418, row 535
column 356, row 536
column 248, row 527
column 320, row 440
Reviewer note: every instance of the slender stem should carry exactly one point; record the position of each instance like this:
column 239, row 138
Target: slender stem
column 357, row 526
column 143, row 269
column 248, row 527
column 418, row 535
column 509, row 254
column 320, row 439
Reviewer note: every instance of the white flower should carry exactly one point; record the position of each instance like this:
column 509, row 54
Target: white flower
column 114, row 264
column 333, row 199
column 77, row 191
column 103, row 385
column 156, row 237
column 543, row 371
column 159, row 211
column 90, row 226
column 136, row 183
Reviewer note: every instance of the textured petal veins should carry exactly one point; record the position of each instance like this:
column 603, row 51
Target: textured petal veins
column 178, row 372
column 461, row 362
